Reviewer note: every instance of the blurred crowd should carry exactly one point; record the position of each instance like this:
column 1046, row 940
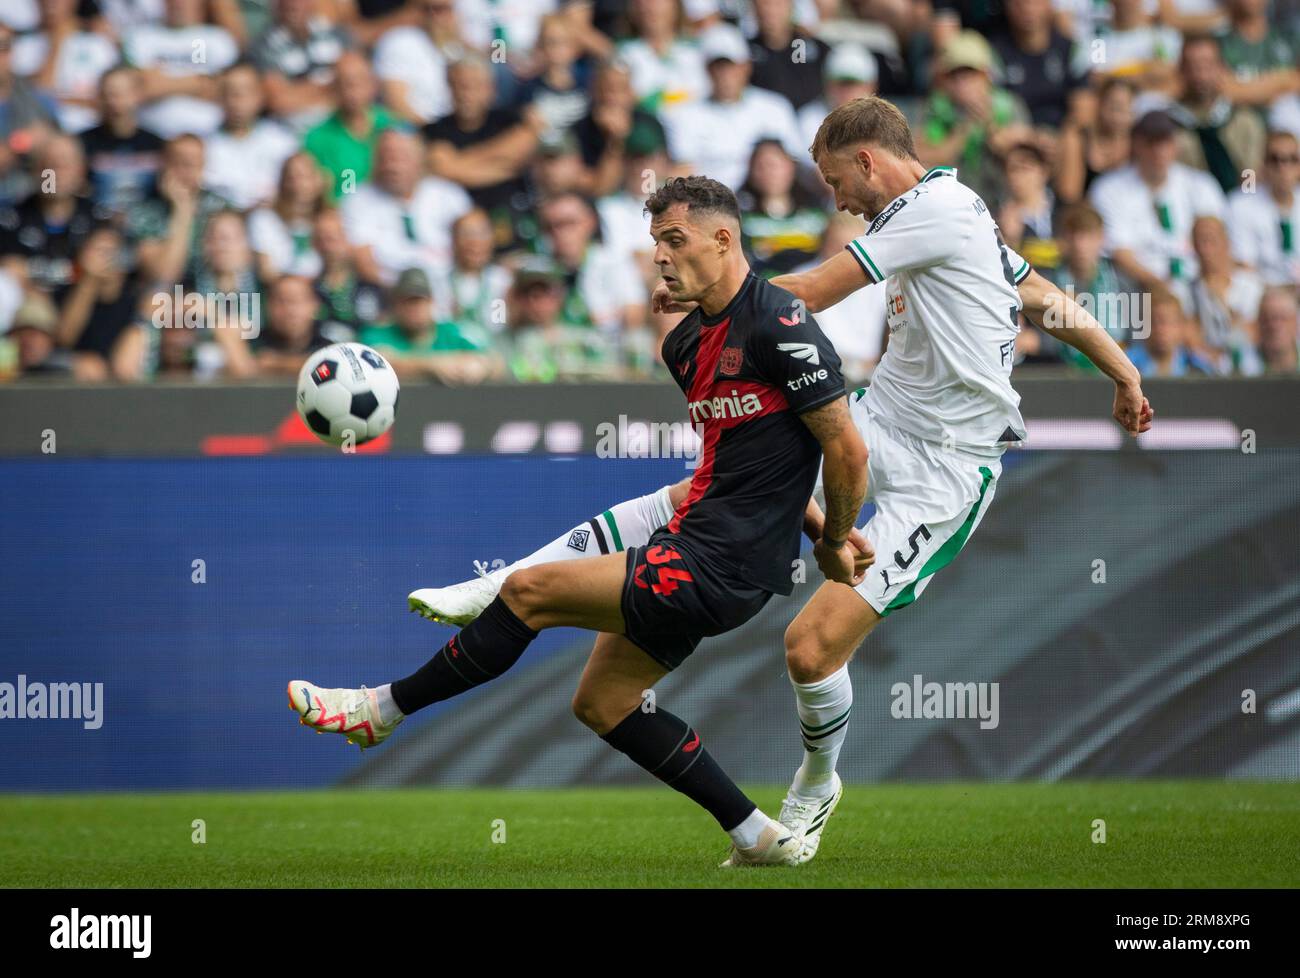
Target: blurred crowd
column 215, row 188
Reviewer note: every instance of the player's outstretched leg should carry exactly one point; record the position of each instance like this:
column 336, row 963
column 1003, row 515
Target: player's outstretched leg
column 583, row 595
column 611, row 700
column 626, row 524
column 818, row 646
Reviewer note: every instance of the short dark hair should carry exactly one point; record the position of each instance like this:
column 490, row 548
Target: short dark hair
column 698, row 193
column 865, row 120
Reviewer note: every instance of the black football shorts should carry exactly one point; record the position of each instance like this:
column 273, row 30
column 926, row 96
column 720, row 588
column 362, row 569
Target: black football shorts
column 670, row 602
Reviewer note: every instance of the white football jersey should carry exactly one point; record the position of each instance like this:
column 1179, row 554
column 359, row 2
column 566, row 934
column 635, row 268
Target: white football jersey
column 952, row 309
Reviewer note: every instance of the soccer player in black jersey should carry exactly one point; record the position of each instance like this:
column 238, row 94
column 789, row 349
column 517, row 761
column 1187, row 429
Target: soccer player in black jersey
column 765, row 385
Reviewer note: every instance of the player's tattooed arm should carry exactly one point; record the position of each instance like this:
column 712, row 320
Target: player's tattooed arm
column 844, row 482
column 1056, row 313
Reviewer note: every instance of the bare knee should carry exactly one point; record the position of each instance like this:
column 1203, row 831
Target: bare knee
column 811, row 654
column 597, row 712
column 524, row 592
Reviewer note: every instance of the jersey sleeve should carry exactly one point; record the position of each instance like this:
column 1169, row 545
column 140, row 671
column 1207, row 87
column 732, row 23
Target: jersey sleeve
column 1020, row 268
column 792, row 354
column 915, row 231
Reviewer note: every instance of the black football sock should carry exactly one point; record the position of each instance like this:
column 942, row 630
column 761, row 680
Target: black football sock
column 668, row 748
column 478, row 653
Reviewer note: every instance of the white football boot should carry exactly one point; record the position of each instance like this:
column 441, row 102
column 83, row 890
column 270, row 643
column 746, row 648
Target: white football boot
column 460, row 603
column 807, row 819
column 777, row 846
column 354, row 713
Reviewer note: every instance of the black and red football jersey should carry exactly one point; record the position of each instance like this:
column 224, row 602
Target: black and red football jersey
column 748, row 373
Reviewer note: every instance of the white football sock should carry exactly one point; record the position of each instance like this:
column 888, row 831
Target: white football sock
column 824, row 708
column 746, row 834
column 627, row 524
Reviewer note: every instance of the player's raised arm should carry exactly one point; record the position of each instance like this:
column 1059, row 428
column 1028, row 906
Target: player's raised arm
column 830, row 282
column 1057, row 314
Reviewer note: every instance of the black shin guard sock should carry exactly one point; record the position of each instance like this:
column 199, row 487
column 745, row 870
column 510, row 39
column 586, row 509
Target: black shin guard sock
column 478, row 653
column 668, row 748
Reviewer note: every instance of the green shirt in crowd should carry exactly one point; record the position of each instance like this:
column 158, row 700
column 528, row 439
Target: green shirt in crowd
column 443, row 338
column 338, row 151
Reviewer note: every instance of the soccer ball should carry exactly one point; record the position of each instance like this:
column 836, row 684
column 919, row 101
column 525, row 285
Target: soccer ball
column 346, row 388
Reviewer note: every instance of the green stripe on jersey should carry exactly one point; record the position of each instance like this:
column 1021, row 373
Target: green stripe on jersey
column 613, row 531
column 859, row 250
column 945, row 555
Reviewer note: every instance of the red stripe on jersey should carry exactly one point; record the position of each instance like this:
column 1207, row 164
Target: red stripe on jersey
column 712, row 339
column 719, row 405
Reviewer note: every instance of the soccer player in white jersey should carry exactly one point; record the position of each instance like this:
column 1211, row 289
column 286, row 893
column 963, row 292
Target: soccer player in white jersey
column 938, row 415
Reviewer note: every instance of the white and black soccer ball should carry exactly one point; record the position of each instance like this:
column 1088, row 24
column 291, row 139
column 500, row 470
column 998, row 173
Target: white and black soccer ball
column 347, row 387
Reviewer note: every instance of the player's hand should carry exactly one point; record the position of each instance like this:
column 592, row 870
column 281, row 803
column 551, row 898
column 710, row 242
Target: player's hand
column 866, row 554
column 662, row 301
column 1132, row 409
column 839, row 564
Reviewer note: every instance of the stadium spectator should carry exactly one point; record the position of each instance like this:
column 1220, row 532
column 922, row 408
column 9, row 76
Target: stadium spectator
column 281, row 233
column 968, row 122
column 1264, row 220
column 33, row 332
column 1166, row 351
column 1261, row 57
column 421, row 347
column 366, row 21
column 1087, row 150
column 242, row 159
column 296, row 56
column 168, row 226
column 98, row 316
column 402, row 219
column 1037, row 66
column 225, row 286
column 613, row 124
column 666, row 70
column 411, row 62
column 1148, row 208
column 44, row 233
column 67, row 62
column 484, row 149
column 1278, row 332
column 347, row 302
column 624, row 223
column 782, row 223
column 1026, row 214
column 850, row 71
column 122, row 159
column 1088, row 276
column 344, row 144
column 291, row 331
column 717, row 134
column 1134, row 45
column 27, row 118
column 180, row 90
column 787, row 60
column 1221, row 138
column 1225, row 300
column 540, row 347
column 474, row 289
column 603, row 287
column 560, row 93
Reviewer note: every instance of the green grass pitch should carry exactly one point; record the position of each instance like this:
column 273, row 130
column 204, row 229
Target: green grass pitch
column 1158, row 834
